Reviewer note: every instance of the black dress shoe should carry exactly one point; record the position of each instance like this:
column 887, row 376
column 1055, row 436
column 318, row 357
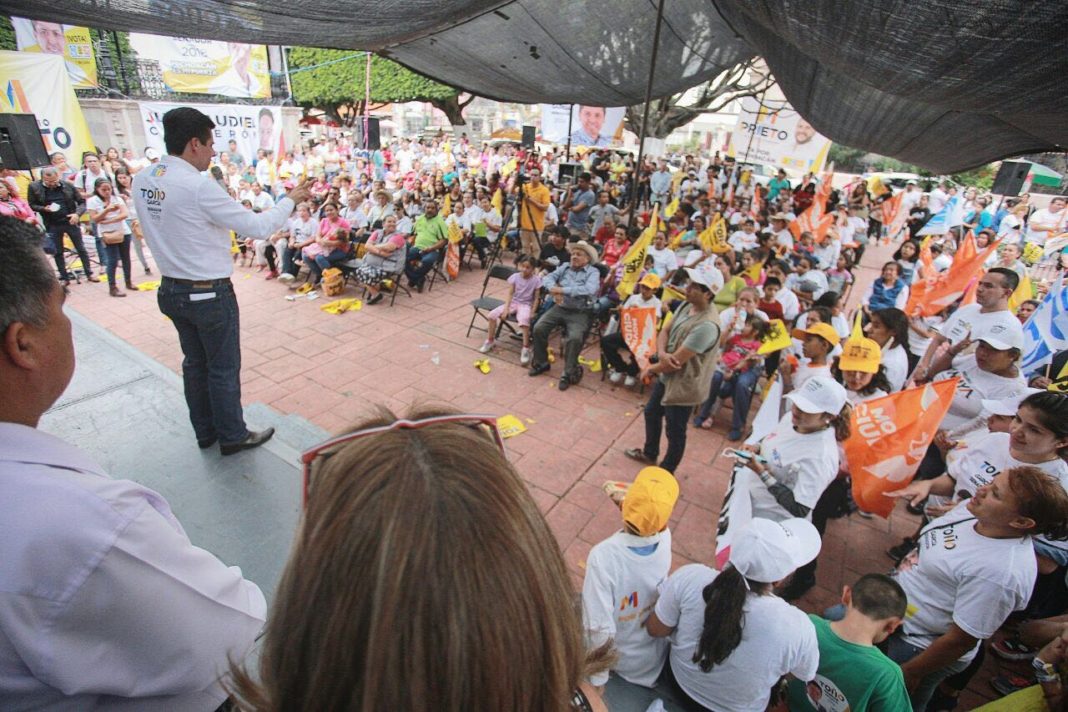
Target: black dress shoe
column 636, row 453
column 254, row 439
column 538, row 369
column 206, row 443
column 565, row 382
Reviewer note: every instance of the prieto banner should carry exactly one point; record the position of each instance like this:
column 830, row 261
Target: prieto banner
column 192, row 66
column 778, row 137
column 39, row 84
column 70, row 42
column 590, row 125
column 252, row 127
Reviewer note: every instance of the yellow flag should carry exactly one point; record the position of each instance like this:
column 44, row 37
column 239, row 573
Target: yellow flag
column 672, row 208
column 508, row 168
column 671, row 294
column 510, row 426
column 496, row 201
column 777, row 338
column 1060, row 383
column 456, row 233
column 1024, row 291
column 446, row 207
column 753, row 273
column 719, row 235
column 634, row 260
column 858, row 330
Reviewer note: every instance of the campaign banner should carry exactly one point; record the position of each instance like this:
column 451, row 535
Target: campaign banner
column 39, row 84
column 781, row 138
column 193, row 66
column 638, row 326
column 590, row 125
column 70, row 42
column 253, row 127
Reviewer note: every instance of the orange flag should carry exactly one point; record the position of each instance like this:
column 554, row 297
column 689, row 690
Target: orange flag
column 969, row 293
column 967, row 248
column 894, row 217
column 890, row 435
column 815, row 219
column 758, row 201
column 937, row 291
column 638, row 326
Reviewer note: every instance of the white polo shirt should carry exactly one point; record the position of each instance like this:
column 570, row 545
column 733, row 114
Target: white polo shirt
column 187, row 217
column 105, row 604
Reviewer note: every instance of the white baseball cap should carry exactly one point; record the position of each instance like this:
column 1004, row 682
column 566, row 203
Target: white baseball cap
column 1008, row 406
column 1002, row 336
column 819, row 394
column 711, row 278
column 767, row 551
column 151, row 154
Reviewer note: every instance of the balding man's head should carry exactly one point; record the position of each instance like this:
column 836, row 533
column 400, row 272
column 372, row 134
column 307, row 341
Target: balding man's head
column 50, row 175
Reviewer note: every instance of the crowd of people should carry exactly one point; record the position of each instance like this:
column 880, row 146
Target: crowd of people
column 992, row 491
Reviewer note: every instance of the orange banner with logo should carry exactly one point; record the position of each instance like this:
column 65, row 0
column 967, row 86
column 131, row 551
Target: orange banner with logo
column 638, row 326
column 815, row 219
column 890, row 436
column 933, row 293
column 452, row 252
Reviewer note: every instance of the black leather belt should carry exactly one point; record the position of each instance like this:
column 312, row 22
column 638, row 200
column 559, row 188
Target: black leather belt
column 200, row 284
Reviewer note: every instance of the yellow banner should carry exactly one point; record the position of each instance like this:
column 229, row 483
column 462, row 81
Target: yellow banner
column 35, row 83
column 634, row 260
column 70, row 42
column 195, row 66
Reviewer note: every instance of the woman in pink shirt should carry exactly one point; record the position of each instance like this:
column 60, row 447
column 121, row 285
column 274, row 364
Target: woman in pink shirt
column 333, row 242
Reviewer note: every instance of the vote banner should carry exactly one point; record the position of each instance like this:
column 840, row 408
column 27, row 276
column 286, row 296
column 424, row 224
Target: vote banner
column 253, row 127
column 780, row 138
column 590, row 125
column 192, row 66
column 38, row 83
column 889, row 437
column 71, row 42
column 638, row 327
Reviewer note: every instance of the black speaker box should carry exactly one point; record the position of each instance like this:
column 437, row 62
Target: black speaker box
column 528, row 137
column 374, row 138
column 21, row 145
column 1011, row 177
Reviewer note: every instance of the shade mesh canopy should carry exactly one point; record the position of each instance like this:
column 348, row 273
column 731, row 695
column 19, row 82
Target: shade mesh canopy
column 943, row 84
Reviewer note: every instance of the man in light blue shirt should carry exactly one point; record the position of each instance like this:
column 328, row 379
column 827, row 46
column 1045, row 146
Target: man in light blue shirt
column 578, row 203
column 660, row 184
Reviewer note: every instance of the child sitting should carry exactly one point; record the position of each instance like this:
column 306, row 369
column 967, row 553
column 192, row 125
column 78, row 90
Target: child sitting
column 818, row 341
column 769, row 305
column 613, row 344
column 735, row 377
column 522, row 292
column 839, row 278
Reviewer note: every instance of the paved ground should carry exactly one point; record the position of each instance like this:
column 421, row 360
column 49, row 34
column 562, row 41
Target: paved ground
column 331, row 369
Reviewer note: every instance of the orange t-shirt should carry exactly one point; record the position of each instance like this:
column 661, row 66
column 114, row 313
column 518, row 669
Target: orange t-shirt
column 531, row 212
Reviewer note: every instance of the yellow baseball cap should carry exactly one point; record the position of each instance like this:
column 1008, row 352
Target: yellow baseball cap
column 825, row 331
column 861, row 354
column 651, row 280
column 650, row 500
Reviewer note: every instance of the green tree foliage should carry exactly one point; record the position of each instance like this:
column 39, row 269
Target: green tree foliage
column 7, row 35
column 337, row 85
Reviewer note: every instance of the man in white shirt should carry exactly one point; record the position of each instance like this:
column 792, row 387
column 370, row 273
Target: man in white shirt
column 105, row 604
column 991, row 308
column 186, row 218
column 261, row 200
column 937, row 198
column 91, row 171
column 1046, row 222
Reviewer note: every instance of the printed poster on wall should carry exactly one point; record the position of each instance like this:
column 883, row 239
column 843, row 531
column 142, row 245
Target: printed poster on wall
column 193, row 66
column 38, row 83
column 590, row 125
column 781, row 138
column 253, row 127
column 70, row 42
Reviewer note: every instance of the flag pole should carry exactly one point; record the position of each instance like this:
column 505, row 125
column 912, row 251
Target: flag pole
column 633, row 209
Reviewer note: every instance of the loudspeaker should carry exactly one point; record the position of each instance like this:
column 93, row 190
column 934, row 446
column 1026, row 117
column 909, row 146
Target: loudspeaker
column 568, row 172
column 528, row 137
column 1011, row 177
column 21, row 145
column 374, row 140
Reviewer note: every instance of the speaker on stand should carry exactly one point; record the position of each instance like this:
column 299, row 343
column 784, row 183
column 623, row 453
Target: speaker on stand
column 21, row 145
column 1011, row 177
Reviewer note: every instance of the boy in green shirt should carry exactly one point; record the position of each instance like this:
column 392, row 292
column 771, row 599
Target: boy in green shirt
column 854, row 675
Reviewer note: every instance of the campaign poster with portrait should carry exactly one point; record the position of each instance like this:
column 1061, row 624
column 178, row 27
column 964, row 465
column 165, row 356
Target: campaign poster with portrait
column 777, row 136
column 70, row 42
column 252, row 127
column 195, row 66
column 596, row 126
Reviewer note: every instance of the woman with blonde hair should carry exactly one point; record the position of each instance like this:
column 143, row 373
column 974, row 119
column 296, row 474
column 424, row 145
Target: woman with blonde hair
column 423, row 578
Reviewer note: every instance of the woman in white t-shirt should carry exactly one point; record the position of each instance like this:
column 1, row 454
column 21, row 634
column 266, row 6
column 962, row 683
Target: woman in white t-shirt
column 732, row 639
column 109, row 212
column 890, row 329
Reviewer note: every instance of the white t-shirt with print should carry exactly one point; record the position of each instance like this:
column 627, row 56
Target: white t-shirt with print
column 959, row 576
column 664, row 261
column 729, row 321
column 896, row 362
column 776, row 639
column 805, row 462
column 981, row 457
column 970, row 319
column 975, row 385
column 636, row 301
column 618, row 594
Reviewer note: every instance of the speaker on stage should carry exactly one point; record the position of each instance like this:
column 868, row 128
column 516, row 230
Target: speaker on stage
column 568, row 172
column 528, row 137
column 1011, row 178
column 21, row 145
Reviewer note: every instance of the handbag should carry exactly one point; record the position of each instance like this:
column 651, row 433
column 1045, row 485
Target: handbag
column 113, row 237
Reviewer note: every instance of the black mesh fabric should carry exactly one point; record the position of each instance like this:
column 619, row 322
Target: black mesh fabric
column 940, row 83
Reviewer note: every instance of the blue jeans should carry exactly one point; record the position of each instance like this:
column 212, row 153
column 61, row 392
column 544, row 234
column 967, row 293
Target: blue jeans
column 115, row 253
column 739, row 388
column 208, row 327
column 53, row 245
column 321, row 262
column 675, row 417
column 901, row 652
column 417, row 273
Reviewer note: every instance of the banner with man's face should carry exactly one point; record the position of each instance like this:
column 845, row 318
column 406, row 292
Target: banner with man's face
column 590, row 125
column 70, row 42
column 781, row 138
column 251, row 127
column 195, row 66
